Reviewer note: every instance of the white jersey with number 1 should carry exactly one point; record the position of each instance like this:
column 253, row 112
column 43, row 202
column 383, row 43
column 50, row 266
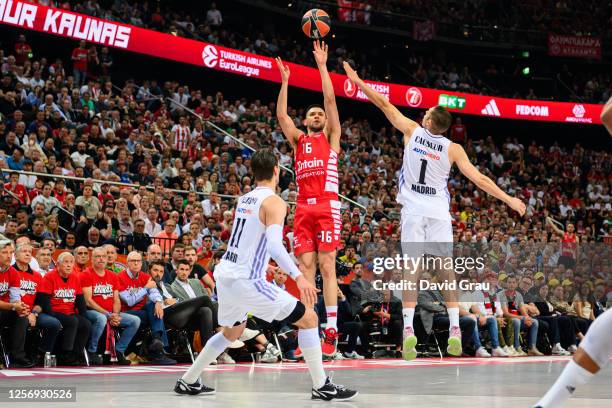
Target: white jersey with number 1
column 246, row 256
column 423, row 180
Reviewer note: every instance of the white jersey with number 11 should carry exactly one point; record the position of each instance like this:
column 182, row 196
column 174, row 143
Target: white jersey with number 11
column 246, row 256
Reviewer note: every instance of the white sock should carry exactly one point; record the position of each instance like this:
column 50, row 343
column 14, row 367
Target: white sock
column 572, row 376
column 309, row 342
column 332, row 317
column 408, row 314
column 215, row 346
column 453, row 316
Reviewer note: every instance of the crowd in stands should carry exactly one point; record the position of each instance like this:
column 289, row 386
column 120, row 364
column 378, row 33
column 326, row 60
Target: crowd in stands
column 62, row 119
column 466, row 76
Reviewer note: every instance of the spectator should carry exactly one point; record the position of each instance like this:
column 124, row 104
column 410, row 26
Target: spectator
column 101, row 292
column 47, row 199
column 44, row 256
column 81, row 260
column 178, row 253
column 13, row 312
column 347, row 325
column 432, row 310
column 213, row 15
column 79, row 63
column 90, row 204
column 140, row 297
column 514, row 307
column 184, row 289
column 138, row 240
column 62, row 298
column 167, row 237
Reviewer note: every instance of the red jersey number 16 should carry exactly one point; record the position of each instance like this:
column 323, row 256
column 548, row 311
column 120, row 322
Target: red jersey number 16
column 325, row 236
column 307, row 147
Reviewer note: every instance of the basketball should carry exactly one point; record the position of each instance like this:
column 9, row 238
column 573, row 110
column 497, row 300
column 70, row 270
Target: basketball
column 316, row 23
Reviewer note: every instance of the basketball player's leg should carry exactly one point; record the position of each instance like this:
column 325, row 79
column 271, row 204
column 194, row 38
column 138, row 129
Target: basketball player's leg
column 235, row 300
column 413, row 236
column 439, row 243
column 305, row 236
column 308, row 266
column 594, row 352
column 279, row 305
column 327, row 226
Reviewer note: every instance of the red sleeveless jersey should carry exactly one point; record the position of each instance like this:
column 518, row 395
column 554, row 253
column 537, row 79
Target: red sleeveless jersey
column 569, row 245
column 316, row 165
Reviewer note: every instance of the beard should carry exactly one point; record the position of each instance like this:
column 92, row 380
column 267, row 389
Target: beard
column 316, row 128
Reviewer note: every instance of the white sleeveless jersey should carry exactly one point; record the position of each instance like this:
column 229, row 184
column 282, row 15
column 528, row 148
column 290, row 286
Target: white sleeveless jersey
column 246, row 256
column 423, row 180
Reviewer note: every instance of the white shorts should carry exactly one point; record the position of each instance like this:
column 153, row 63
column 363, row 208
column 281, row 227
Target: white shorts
column 426, row 235
column 240, row 297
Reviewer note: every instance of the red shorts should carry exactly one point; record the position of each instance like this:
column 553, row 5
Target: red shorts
column 317, row 226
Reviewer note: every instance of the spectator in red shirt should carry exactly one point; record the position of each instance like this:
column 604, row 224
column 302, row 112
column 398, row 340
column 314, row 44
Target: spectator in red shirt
column 458, row 132
column 140, row 297
column 17, row 189
column 30, row 285
column 81, row 256
column 101, row 292
column 13, row 311
column 79, row 64
column 61, row 297
column 59, row 190
column 23, row 50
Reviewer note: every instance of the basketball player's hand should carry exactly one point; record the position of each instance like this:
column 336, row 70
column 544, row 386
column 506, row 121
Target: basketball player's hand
column 284, row 70
column 308, row 293
column 350, row 72
column 320, row 52
column 517, row 205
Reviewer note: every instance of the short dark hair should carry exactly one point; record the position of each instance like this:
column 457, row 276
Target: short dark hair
column 263, row 163
column 158, row 263
column 182, row 262
column 315, row 105
column 176, row 246
column 441, row 119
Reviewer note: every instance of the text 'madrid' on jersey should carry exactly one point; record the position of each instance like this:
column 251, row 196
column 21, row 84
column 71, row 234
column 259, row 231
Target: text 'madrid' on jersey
column 316, row 165
column 423, row 179
column 247, row 256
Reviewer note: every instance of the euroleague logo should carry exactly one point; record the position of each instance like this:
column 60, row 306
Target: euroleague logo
column 578, row 111
column 414, row 97
column 349, row 88
column 210, row 56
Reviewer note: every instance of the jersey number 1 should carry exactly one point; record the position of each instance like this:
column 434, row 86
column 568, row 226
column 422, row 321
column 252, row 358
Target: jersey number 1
column 423, row 170
column 237, row 232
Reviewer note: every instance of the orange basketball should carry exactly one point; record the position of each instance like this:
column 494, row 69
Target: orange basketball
column 316, row 23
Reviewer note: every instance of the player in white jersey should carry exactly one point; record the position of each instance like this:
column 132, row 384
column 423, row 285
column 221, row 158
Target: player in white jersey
column 595, row 349
column 423, row 193
column 242, row 287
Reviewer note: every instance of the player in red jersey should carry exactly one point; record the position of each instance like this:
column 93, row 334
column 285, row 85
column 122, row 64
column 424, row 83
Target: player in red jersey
column 317, row 215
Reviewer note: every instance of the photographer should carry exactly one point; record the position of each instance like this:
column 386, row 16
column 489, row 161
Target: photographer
column 387, row 313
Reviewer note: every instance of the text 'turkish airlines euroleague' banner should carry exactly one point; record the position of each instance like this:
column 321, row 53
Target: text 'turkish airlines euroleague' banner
column 134, row 39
